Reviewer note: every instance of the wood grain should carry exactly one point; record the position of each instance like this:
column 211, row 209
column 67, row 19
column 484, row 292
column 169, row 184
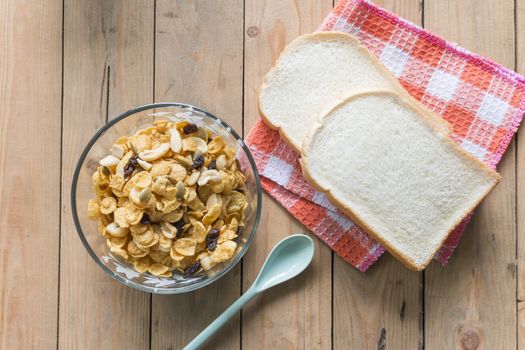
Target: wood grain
column 199, row 60
column 382, row 305
column 471, row 303
column 296, row 315
column 30, row 88
column 104, row 41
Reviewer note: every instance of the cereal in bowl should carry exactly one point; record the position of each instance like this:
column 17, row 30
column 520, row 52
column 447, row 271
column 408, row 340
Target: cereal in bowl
column 170, row 198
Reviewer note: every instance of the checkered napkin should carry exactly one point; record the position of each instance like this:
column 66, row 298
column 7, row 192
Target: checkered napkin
column 483, row 101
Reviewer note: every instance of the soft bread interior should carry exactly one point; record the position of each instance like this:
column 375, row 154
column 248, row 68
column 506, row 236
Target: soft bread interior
column 312, row 75
column 405, row 182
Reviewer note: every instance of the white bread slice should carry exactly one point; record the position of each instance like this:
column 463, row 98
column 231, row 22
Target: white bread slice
column 315, row 72
column 382, row 162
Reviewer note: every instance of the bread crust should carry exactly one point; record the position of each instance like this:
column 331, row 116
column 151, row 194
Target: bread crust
column 427, row 116
column 439, row 122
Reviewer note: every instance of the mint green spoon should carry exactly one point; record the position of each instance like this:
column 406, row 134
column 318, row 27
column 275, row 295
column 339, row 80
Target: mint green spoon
column 286, row 260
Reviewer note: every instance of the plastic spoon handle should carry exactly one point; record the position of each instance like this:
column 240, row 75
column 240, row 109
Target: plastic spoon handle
column 221, row 320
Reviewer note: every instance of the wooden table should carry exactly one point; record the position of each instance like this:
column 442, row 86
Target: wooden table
column 67, row 66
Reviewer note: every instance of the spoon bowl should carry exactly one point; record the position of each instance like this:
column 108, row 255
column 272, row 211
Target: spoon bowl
column 286, row 260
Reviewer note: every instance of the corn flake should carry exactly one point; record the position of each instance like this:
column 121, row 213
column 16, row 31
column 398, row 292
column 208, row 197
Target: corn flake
column 141, row 179
column 224, row 251
column 227, row 235
column 185, row 246
column 138, row 229
column 159, row 256
column 93, row 209
column 165, row 244
column 237, row 202
column 119, row 252
column 175, row 256
column 194, row 144
column 146, row 240
column 196, row 205
column 173, row 216
column 158, row 269
column 178, row 172
column 212, row 215
column 108, row 205
column 199, row 232
column 133, row 214
column 141, row 265
column 160, row 168
column 216, row 145
column 140, row 143
column 135, row 251
column 116, row 182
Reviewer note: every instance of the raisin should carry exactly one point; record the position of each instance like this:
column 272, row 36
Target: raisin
column 213, row 164
column 179, row 225
column 105, row 171
column 146, row 220
column 190, row 129
column 211, row 239
column 132, row 164
column 190, row 270
column 198, row 162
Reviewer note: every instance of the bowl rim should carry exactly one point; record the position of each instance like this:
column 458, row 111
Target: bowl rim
column 155, row 290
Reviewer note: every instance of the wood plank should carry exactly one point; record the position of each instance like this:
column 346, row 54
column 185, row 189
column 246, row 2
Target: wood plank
column 472, row 299
column 520, row 181
column 199, row 60
column 104, row 41
column 379, row 306
column 382, row 305
column 30, row 91
column 296, row 315
column 411, row 10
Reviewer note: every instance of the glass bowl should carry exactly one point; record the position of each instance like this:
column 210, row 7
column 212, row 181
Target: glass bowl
column 98, row 147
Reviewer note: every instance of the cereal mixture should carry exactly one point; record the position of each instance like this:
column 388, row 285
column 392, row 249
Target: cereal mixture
column 170, row 198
